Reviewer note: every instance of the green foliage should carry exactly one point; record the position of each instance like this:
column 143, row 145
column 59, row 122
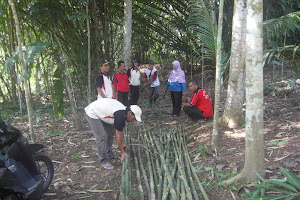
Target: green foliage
column 277, row 28
column 276, row 188
column 201, row 149
column 53, row 134
column 270, row 88
column 203, row 33
column 30, row 52
column 277, row 142
column 74, row 156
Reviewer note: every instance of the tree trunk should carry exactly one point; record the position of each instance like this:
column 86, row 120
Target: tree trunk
column 69, row 92
column 89, row 52
column 27, row 93
column 127, row 32
column 218, row 77
column 254, row 146
column 233, row 112
column 213, row 13
column 11, row 50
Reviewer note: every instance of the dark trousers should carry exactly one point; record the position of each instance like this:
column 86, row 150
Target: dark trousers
column 194, row 113
column 176, row 101
column 153, row 94
column 134, row 94
column 123, row 98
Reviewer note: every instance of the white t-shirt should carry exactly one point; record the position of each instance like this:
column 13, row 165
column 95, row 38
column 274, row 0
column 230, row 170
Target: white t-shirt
column 104, row 109
column 106, row 88
column 149, row 73
column 134, row 78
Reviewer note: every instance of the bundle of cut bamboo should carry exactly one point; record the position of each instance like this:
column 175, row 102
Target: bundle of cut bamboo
column 163, row 166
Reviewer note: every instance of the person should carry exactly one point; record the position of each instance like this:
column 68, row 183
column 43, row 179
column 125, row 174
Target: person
column 134, row 82
column 199, row 107
column 151, row 76
column 105, row 115
column 104, row 87
column 121, row 84
column 177, row 85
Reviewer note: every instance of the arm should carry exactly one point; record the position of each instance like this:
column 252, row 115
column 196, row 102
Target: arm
column 121, row 145
column 114, row 86
column 101, row 92
column 100, row 83
column 183, row 88
column 154, row 76
column 145, row 78
column 168, row 85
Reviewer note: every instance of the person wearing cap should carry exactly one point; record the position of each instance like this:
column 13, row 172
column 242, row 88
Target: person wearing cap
column 176, row 84
column 121, row 84
column 105, row 115
column 104, row 86
column 134, row 82
column 151, row 76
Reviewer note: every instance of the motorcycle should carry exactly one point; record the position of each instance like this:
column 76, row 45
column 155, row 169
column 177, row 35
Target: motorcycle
column 25, row 172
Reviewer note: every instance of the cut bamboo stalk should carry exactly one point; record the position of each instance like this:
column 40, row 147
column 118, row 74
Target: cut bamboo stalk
column 138, row 175
column 142, row 167
column 172, row 190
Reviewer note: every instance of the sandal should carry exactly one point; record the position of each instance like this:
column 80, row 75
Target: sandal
column 106, row 166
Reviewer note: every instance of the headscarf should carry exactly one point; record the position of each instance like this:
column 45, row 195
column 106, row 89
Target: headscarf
column 177, row 75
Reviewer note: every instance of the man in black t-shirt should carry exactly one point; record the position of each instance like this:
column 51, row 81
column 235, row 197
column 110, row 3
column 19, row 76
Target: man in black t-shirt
column 105, row 115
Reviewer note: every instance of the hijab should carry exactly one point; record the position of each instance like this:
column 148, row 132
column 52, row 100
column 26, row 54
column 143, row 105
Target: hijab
column 177, row 75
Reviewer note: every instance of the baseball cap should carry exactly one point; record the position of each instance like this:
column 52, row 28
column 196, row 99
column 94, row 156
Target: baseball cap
column 104, row 62
column 137, row 111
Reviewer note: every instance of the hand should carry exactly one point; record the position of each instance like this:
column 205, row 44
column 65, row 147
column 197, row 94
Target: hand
column 123, row 155
column 125, row 146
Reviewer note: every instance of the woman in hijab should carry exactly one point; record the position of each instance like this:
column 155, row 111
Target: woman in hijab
column 177, row 85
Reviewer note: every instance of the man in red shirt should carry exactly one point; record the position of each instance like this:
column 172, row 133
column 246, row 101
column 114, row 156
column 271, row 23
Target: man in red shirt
column 199, row 107
column 121, row 84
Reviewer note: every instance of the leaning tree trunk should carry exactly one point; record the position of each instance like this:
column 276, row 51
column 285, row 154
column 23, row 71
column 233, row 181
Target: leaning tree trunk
column 233, row 112
column 254, row 146
column 89, row 53
column 218, row 77
column 27, row 93
column 127, row 32
column 77, row 121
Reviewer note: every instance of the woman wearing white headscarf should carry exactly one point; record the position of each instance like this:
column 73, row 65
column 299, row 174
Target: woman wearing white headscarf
column 177, row 85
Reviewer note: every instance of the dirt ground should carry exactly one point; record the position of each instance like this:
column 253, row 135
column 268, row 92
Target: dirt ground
column 78, row 174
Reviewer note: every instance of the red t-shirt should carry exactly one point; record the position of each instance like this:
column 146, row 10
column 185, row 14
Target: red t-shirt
column 121, row 82
column 201, row 100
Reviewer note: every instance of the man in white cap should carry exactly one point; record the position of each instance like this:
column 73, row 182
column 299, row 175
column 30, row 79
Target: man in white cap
column 105, row 115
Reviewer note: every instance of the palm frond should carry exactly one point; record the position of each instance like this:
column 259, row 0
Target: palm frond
column 276, row 28
column 203, row 32
column 291, row 52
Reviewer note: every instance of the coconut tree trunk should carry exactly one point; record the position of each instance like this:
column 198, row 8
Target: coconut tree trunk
column 254, row 145
column 233, row 112
column 127, row 32
column 89, row 52
column 218, row 77
column 27, row 90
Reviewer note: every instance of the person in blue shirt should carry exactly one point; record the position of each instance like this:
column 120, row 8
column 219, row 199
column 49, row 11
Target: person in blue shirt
column 177, row 86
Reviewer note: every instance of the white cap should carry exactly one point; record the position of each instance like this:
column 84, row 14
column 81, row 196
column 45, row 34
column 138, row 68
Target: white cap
column 137, row 111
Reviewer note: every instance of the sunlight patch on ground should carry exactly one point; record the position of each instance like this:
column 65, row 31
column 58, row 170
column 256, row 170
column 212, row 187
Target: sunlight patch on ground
column 235, row 134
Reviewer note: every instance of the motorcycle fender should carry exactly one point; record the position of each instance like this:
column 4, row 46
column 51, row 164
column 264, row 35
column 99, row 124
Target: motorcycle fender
column 36, row 147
